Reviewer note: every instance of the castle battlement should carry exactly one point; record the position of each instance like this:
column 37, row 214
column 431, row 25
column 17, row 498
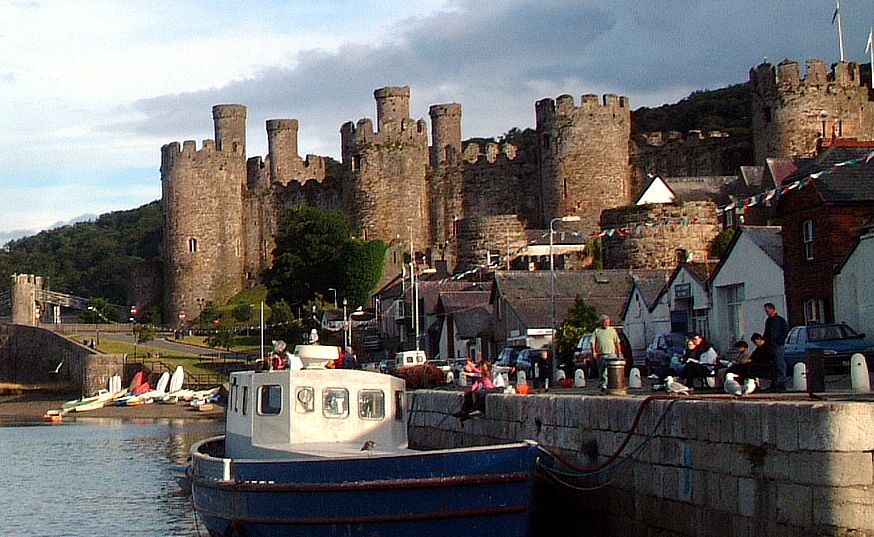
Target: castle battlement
column 786, row 77
column 362, row 132
column 174, row 152
column 693, row 137
column 565, row 105
column 489, row 153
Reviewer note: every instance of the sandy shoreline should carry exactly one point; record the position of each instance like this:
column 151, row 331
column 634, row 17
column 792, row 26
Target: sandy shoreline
column 32, row 405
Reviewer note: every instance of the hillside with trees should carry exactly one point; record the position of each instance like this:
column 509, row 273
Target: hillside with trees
column 726, row 110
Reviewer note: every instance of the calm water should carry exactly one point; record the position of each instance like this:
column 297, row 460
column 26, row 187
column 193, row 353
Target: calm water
column 97, row 477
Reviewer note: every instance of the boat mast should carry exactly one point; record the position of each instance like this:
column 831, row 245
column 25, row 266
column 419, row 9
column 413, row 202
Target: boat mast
column 415, row 286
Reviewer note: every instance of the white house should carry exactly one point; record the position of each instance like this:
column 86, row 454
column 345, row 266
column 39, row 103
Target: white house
column 853, row 292
column 749, row 275
column 656, row 191
column 684, row 303
column 637, row 322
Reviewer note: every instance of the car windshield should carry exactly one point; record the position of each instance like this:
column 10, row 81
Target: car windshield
column 836, row 331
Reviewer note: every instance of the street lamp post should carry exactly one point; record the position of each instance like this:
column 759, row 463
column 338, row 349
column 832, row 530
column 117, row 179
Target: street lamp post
column 571, row 218
column 345, row 326
column 335, row 296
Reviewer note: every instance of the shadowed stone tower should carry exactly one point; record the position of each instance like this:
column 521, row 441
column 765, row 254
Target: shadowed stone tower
column 202, row 197
column 387, row 171
column 584, row 156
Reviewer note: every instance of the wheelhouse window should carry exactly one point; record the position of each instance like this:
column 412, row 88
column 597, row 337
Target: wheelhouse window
column 270, row 399
column 245, row 399
column 335, row 402
column 371, row 404
column 304, row 399
column 807, row 238
column 400, row 405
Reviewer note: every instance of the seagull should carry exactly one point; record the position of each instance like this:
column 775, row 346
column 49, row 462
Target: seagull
column 749, row 386
column 731, row 385
column 368, row 446
column 55, row 372
column 674, row 387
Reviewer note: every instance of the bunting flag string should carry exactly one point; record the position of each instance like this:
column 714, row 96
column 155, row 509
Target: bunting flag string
column 769, row 197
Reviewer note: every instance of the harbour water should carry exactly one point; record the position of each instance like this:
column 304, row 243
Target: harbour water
column 97, row 477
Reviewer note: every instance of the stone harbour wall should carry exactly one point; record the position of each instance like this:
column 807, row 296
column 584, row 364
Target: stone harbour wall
column 30, row 354
column 692, row 467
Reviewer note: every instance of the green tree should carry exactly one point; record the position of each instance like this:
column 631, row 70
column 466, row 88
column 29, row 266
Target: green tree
column 145, row 333
column 308, row 254
column 581, row 319
column 221, row 339
column 316, row 252
column 243, row 312
column 280, row 313
column 719, row 245
column 363, row 264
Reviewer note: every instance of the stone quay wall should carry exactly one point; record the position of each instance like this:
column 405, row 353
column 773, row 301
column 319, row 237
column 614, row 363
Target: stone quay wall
column 693, row 467
column 30, row 354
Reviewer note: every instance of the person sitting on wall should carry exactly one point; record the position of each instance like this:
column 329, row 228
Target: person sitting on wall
column 700, row 358
column 474, row 400
column 762, row 362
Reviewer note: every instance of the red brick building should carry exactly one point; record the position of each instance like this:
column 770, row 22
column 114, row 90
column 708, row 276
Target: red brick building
column 821, row 222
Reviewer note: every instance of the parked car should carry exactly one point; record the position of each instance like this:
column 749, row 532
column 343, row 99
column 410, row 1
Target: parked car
column 584, row 360
column 442, row 365
column 507, row 361
column 837, row 340
column 663, row 348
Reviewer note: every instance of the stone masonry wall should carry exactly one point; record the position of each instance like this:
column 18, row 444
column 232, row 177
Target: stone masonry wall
column 478, row 236
column 28, row 354
column 648, row 236
column 692, row 468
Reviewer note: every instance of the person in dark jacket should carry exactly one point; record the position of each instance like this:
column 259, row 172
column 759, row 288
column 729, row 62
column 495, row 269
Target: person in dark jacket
column 776, row 330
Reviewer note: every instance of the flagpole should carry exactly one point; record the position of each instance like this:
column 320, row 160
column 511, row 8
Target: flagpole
column 840, row 33
column 870, row 48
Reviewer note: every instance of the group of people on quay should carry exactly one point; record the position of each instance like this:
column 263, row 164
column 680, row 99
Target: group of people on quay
column 765, row 360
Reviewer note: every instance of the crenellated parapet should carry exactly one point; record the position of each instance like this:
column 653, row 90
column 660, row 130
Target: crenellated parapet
column 489, row 153
column 673, row 154
column 791, row 111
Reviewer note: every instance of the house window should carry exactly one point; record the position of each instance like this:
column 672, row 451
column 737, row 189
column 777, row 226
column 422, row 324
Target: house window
column 807, row 238
column 814, row 311
column 192, row 245
column 733, row 296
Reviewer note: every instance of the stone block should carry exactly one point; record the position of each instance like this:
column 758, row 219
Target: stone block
column 844, row 507
column 837, row 469
column 748, row 498
column 794, row 505
column 747, row 423
column 836, row 427
column 775, row 465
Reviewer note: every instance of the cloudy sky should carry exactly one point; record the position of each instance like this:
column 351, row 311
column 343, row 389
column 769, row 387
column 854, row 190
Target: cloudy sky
column 91, row 89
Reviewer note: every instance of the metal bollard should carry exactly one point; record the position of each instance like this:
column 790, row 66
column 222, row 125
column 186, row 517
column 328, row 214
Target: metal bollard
column 616, row 376
column 814, row 359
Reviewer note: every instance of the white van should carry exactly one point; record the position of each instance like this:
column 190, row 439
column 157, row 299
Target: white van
column 408, row 358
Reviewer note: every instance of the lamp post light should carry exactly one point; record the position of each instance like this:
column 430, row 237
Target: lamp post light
column 571, row 218
column 345, row 326
column 335, row 296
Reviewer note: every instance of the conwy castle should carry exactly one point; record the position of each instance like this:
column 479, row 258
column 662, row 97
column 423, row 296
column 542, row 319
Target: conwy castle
column 457, row 200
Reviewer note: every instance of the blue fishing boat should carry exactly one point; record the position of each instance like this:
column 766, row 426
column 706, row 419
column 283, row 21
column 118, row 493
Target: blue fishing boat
column 323, row 452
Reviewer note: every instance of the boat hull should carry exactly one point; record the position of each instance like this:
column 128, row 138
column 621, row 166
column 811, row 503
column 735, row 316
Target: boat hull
column 474, row 491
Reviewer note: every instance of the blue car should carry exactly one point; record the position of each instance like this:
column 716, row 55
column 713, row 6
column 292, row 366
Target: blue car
column 837, row 341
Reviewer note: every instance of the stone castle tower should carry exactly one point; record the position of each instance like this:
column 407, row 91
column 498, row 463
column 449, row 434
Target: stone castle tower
column 221, row 209
column 584, row 156
column 791, row 114
column 202, row 197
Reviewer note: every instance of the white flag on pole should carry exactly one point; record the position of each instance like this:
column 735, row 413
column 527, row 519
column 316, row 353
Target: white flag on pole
column 868, row 45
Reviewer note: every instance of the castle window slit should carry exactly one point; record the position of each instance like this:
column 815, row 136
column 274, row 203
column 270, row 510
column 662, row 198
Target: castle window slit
column 192, row 245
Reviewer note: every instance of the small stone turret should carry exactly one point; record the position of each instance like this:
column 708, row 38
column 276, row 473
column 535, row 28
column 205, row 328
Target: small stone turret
column 230, row 127
column 282, row 147
column 445, row 134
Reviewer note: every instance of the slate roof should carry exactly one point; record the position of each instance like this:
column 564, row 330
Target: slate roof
column 470, row 312
column 846, row 184
column 769, row 239
column 529, row 293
